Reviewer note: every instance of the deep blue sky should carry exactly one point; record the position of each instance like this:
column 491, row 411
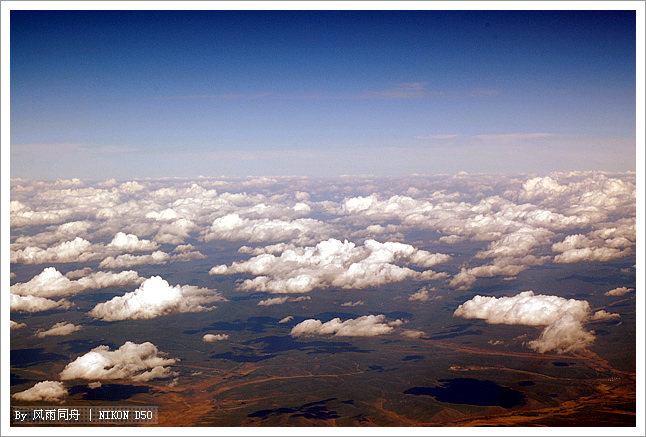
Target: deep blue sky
column 124, row 94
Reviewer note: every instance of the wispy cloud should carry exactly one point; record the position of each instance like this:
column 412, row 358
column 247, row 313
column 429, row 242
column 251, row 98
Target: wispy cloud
column 241, row 96
column 514, row 137
column 407, row 90
column 66, row 148
column 437, row 137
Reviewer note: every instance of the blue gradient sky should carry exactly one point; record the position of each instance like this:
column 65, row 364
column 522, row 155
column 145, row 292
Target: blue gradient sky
column 102, row 94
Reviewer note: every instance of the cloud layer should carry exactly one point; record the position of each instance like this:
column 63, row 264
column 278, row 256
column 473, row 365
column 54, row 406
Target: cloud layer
column 560, row 218
column 333, row 263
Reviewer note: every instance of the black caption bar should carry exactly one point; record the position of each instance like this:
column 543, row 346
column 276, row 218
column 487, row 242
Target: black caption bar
column 126, row 415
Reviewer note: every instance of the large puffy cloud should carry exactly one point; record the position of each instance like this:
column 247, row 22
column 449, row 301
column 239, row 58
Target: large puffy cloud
column 518, row 243
column 51, row 283
column 49, row 391
column 156, row 297
column 131, row 243
column 132, row 361
column 561, row 318
column 333, row 263
column 61, row 328
column 175, row 232
column 578, row 247
column 110, row 279
column 76, row 250
column 236, row 228
column 364, row 326
column 34, row 304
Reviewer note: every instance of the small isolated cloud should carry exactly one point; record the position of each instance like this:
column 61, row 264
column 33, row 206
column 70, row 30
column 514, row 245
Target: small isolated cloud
column 210, row 338
column 273, row 301
column 437, row 137
column 412, row 333
column 49, row 391
column 404, row 90
column 187, row 256
column 132, row 361
column 619, row 291
column 364, row 326
column 34, row 304
column 602, row 315
column 286, row 319
column 49, row 283
column 334, row 263
column 562, row 318
column 61, row 328
column 353, row 304
column 16, row 325
column 156, row 297
column 282, row 299
column 421, row 295
column 514, row 137
column 93, row 385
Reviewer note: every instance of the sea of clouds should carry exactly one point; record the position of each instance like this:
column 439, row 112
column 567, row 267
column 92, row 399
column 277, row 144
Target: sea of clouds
column 295, row 235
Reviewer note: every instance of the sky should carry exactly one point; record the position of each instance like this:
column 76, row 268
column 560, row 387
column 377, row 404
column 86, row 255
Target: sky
column 127, row 94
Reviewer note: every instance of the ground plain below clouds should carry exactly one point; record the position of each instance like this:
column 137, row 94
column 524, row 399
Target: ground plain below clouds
column 118, row 252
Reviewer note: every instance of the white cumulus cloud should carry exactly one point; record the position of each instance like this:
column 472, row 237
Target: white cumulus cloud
column 421, row 295
column 561, row 318
column 127, row 260
column 131, row 243
column 34, row 304
column 156, row 297
column 364, row 326
column 210, row 338
column 49, row 391
column 619, row 291
column 132, row 361
column 333, row 263
column 51, row 283
column 16, row 325
column 61, row 328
